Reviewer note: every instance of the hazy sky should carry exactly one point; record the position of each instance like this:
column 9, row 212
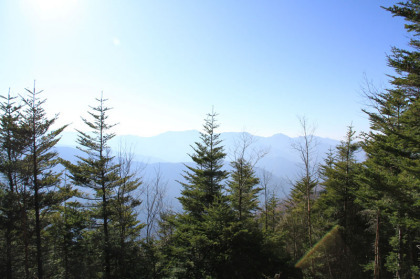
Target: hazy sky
column 164, row 64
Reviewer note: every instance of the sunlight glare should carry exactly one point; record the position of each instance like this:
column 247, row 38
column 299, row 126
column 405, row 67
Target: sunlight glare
column 51, row 9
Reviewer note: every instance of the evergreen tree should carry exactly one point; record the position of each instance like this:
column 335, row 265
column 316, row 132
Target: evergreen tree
column 204, row 181
column 99, row 175
column 390, row 183
column 242, row 189
column 340, row 185
column 68, row 224
column 197, row 247
column 295, row 221
column 246, row 248
column 164, row 248
column 300, row 204
column 337, row 204
column 12, row 146
column 271, row 213
column 40, row 160
column 126, row 224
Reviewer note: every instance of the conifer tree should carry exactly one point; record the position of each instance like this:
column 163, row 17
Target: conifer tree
column 269, row 217
column 390, row 183
column 242, row 187
column 340, row 185
column 271, row 212
column 98, row 174
column 300, row 203
column 304, row 188
column 295, row 220
column 40, row 159
column 12, row 146
column 126, row 224
column 68, row 225
column 247, row 258
column 198, row 248
column 203, row 184
column 337, row 204
column 243, row 193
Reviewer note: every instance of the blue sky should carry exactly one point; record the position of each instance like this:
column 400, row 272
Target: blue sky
column 164, row 64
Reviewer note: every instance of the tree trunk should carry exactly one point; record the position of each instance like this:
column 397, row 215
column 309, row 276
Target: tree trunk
column 398, row 273
column 376, row 274
column 9, row 274
column 25, row 233
column 38, row 235
column 37, row 203
column 106, row 235
column 66, row 244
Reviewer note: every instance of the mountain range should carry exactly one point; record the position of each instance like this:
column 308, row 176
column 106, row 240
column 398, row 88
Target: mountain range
column 168, row 153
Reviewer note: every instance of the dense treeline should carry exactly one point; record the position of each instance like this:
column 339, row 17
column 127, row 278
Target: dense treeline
column 343, row 218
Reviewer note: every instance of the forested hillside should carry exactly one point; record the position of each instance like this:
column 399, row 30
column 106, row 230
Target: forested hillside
column 97, row 215
column 281, row 163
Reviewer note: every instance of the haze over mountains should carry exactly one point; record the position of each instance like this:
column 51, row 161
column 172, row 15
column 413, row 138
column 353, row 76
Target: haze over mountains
column 168, row 152
column 175, row 146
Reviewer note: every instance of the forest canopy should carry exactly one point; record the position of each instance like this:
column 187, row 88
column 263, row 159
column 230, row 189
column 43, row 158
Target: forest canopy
column 343, row 218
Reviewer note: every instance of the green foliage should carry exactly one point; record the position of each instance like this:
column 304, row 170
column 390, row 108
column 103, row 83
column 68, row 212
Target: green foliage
column 390, row 180
column 125, row 224
column 204, row 181
column 297, row 220
column 29, row 183
column 293, row 224
column 97, row 172
column 242, row 189
column 12, row 146
column 363, row 222
column 337, row 206
column 195, row 240
column 39, row 161
column 68, row 224
column 217, row 235
column 271, row 213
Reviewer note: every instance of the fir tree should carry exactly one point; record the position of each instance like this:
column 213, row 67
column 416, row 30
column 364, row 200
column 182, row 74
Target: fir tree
column 68, row 224
column 203, row 184
column 243, row 186
column 98, row 174
column 12, row 147
column 40, row 159
column 243, row 193
column 337, row 204
column 303, row 191
column 245, row 254
column 340, row 185
column 197, row 247
column 390, row 183
column 126, row 224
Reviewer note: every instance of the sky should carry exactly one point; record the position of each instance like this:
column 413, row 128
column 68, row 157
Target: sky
column 163, row 65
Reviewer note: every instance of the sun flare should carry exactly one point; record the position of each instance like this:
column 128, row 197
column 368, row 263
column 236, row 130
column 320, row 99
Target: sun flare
column 51, row 9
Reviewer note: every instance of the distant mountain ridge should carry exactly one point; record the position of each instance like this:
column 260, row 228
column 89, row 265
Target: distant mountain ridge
column 175, row 146
column 169, row 153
